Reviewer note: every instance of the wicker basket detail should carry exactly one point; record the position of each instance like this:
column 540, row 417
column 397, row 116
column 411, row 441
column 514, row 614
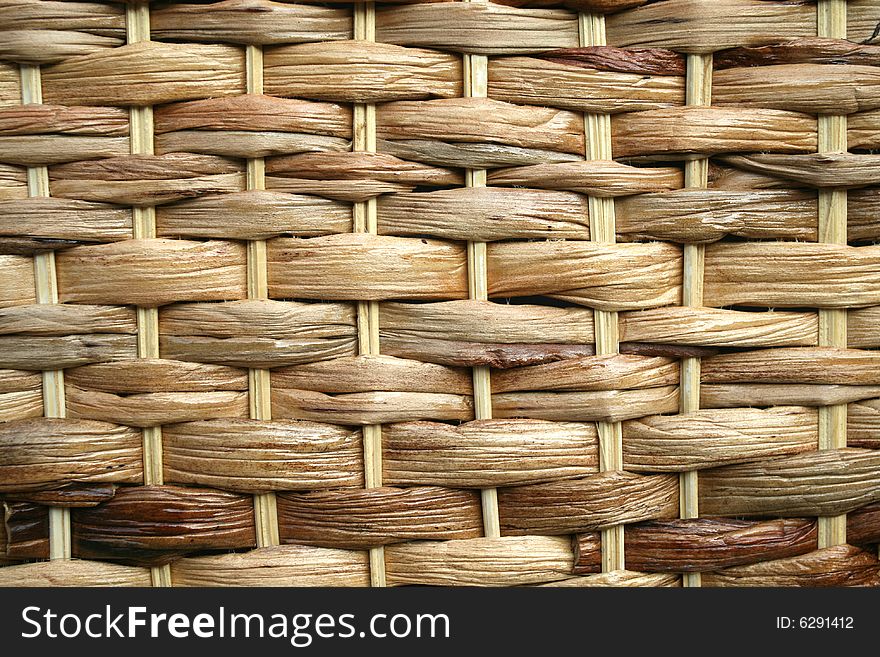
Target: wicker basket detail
column 520, row 292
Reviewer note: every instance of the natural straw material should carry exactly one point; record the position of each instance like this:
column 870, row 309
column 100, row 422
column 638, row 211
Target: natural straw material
column 533, row 292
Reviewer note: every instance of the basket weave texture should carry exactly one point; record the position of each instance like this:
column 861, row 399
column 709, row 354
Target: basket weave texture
column 575, row 292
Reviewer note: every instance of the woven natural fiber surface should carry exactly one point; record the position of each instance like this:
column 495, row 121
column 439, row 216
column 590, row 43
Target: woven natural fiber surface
column 549, row 292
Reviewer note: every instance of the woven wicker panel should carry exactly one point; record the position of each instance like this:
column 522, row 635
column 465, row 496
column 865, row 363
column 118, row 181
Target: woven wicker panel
column 548, row 292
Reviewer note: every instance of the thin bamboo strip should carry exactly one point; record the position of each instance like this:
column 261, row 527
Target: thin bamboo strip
column 259, row 382
column 597, row 128
column 832, row 229
column 476, row 85
column 46, row 286
column 696, row 174
column 137, row 21
column 366, row 221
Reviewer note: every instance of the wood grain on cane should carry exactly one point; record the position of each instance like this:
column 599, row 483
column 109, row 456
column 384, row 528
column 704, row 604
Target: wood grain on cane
column 45, row 453
column 433, row 453
column 380, row 72
column 707, row 544
column 283, row 565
